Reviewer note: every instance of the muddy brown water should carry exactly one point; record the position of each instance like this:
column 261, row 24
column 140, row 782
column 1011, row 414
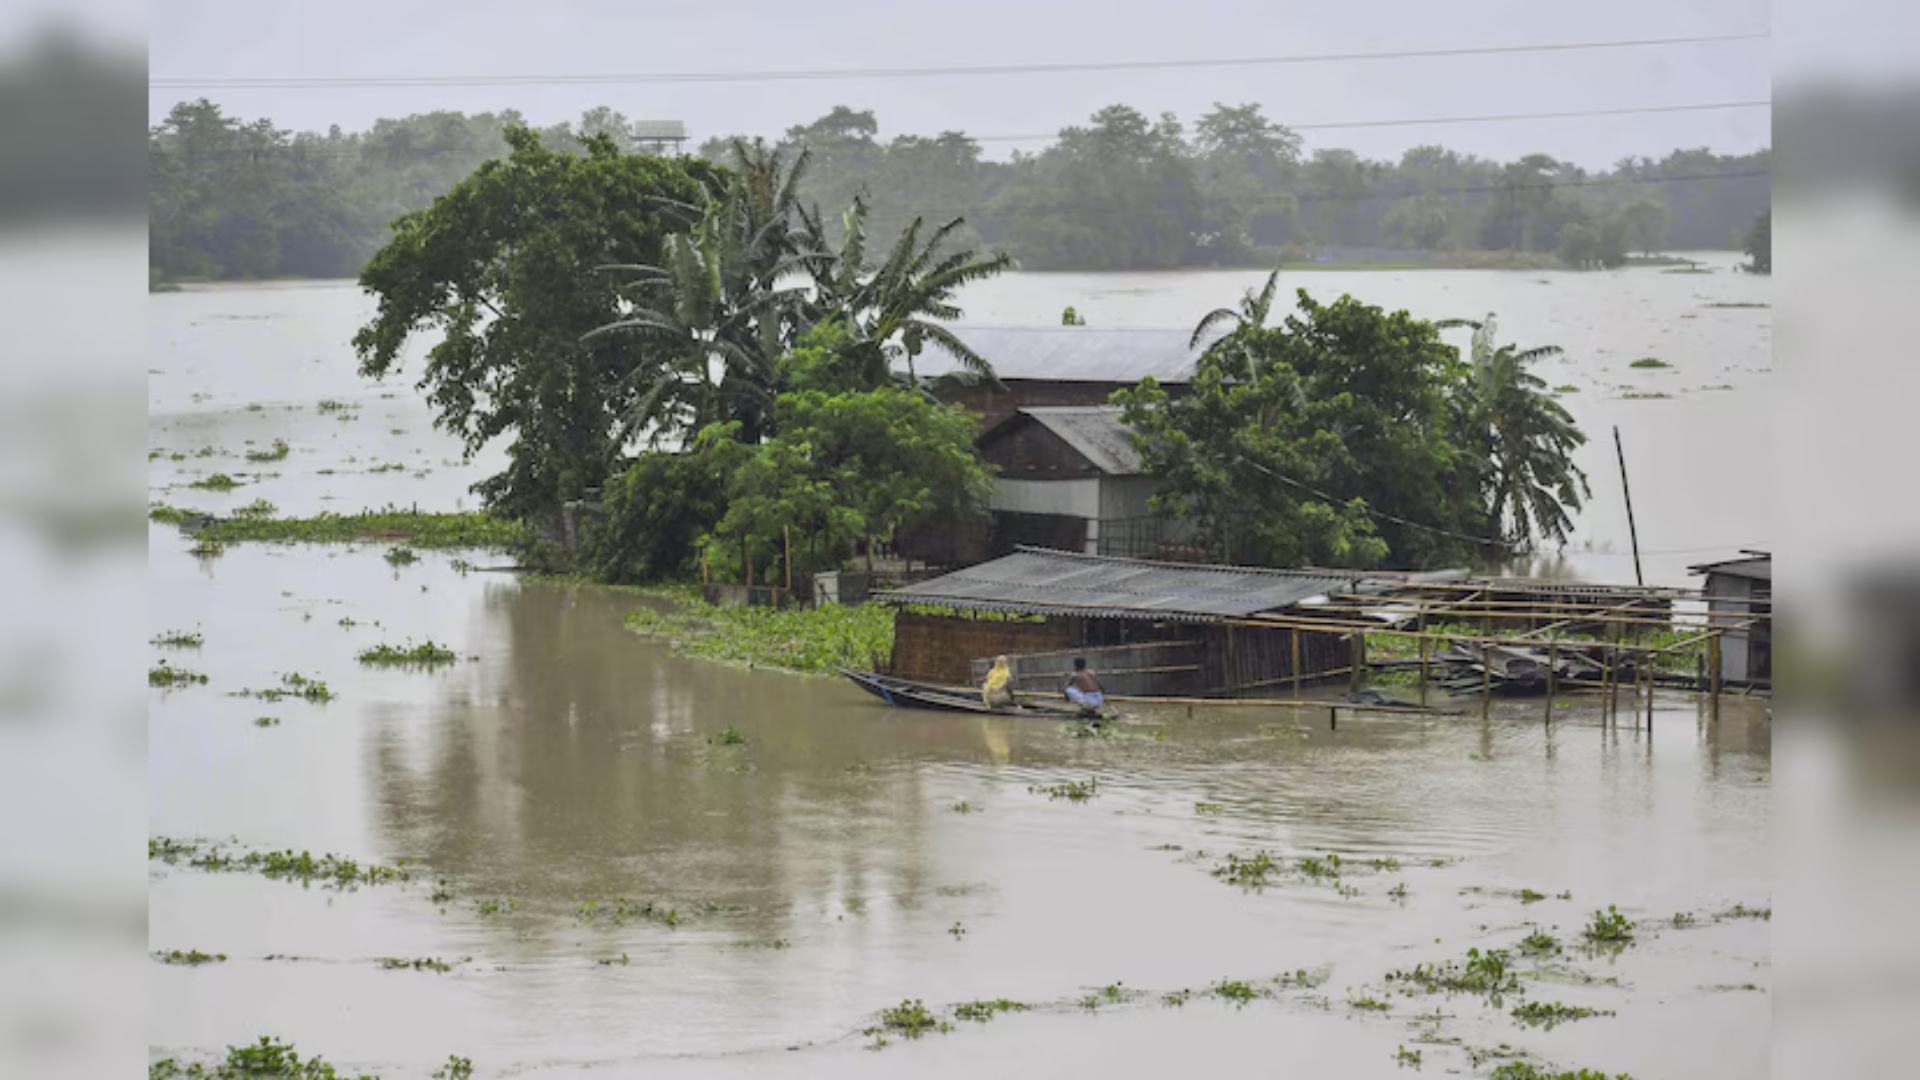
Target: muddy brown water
column 564, row 758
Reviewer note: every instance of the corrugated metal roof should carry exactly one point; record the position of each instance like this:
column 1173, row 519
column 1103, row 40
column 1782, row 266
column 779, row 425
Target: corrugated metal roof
column 1042, row 582
column 1757, row 567
column 1071, row 353
column 1095, row 431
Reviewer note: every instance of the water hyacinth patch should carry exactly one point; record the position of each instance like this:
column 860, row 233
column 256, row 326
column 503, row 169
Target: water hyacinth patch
column 1549, row 1014
column 190, row 958
column 425, row 654
column 268, row 1059
column 817, row 641
column 335, row 871
column 178, row 639
column 166, row 676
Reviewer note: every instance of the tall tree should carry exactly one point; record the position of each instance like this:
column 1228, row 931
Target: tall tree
column 1527, row 440
column 503, row 269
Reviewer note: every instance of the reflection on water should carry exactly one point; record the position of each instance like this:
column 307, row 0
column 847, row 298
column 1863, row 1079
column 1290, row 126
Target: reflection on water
column 819, row 871
column 574, row 761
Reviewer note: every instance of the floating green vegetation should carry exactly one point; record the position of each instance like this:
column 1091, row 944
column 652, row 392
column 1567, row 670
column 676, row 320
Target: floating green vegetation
column 1072, row 790
column 1735, row 304
column 1209, row 809
column 1176, row 997
column 457, row 1067
column 1609, row 927
column 771, row 943
column 1650, row 362
column 1251, row 872
column 982, row 1011
column 166, row 675
column 266, row 721
column 191, row 958
column 729, row 737
column 258, row 508
column 292, row 685
column 612, row 960
column 267, row 1059
column 178, row 639
column 336, row 871
column 622, row 910
column 1486, row 973
column 1113, row 993
column 964, row 807
column 1521, row 1070
column 277, row 452
column 1682, row 920
column 1238, row 991
column 1741, row 911
column 391, row 466
column 217, row 482
column 1370, row 1004
column 818, row 640
column 424, row 963
column 425, row 654
column 1399, row 891
column 1301, row 979
column 401, row 555
column 1529, row 896
column 1645, row 395
column 417, row 529
column 958, row 930
column 1404, row 1056
column 1539, row 943
column 332, row 405
column 1566, row 388
column 497, row 906
column 206, row 451
column 206, row 548
column 910, row 1019
column 1550, row 1014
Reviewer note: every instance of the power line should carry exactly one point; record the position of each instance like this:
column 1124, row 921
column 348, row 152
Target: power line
column 1759, row 103
column 1368, row 510
column 633, row 78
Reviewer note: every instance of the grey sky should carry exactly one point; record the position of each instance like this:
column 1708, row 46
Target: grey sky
column 226, row 39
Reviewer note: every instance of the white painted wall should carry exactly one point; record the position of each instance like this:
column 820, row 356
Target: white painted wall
column 1075, row 498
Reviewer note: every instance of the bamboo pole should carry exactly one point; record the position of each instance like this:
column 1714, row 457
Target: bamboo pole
column 1295, row 635
column 1633, row 533
column 1553, row 679
column 1424, row 647
column 1713, row 676
column 1486, row 680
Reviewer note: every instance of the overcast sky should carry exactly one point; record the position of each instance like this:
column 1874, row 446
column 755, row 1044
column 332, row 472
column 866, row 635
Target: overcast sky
column 218, row 39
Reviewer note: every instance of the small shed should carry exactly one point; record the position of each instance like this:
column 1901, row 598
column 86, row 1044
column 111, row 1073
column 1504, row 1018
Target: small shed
column 1149, row 628
column 1736, row 590
column 1069, row 479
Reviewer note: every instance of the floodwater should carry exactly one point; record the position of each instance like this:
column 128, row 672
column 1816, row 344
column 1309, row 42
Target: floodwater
column 563, row 759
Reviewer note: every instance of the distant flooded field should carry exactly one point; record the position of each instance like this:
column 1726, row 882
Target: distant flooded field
column 564, row 865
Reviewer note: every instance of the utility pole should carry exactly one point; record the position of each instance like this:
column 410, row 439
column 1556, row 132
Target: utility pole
column 1633, row 533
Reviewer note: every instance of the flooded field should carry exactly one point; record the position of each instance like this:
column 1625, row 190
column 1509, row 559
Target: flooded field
column 631, row 864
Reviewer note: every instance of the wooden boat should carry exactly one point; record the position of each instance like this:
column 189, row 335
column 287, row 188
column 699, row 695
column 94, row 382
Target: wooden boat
column 918, row 695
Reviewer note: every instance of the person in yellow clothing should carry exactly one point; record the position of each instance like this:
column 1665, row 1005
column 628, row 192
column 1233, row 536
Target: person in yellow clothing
column 998, row 692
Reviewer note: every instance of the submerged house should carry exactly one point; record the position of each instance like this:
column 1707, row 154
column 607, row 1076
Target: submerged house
column 1068, row 478
column 1149, row 628
column 1740, row 595
column 1061, row 365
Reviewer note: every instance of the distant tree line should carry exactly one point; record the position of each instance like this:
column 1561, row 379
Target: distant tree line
column 237, row 199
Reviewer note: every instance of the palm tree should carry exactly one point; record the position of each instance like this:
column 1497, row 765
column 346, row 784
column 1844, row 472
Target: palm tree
column 710, row 321
column 1252, row 313
column 891, row 311
column 1528, row 440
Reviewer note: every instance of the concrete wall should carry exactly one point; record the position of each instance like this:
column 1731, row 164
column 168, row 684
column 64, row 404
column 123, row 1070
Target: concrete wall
column 1729, row 596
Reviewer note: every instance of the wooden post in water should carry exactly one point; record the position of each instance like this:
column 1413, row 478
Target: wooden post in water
column 1713, row 678
column 1423, row 666
column 1650, row 674
column 1358, row 654
column 1486, row 679
column 1553, row 678
column 1633, row 534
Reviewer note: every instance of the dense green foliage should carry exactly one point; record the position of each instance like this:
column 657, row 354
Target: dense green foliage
column 817, row 640
column 1352, row 437
column 233, row 199
column 418, row 529
column 503, row 269
column 657, row 513
column 1289, row 436
column 268, row 1059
